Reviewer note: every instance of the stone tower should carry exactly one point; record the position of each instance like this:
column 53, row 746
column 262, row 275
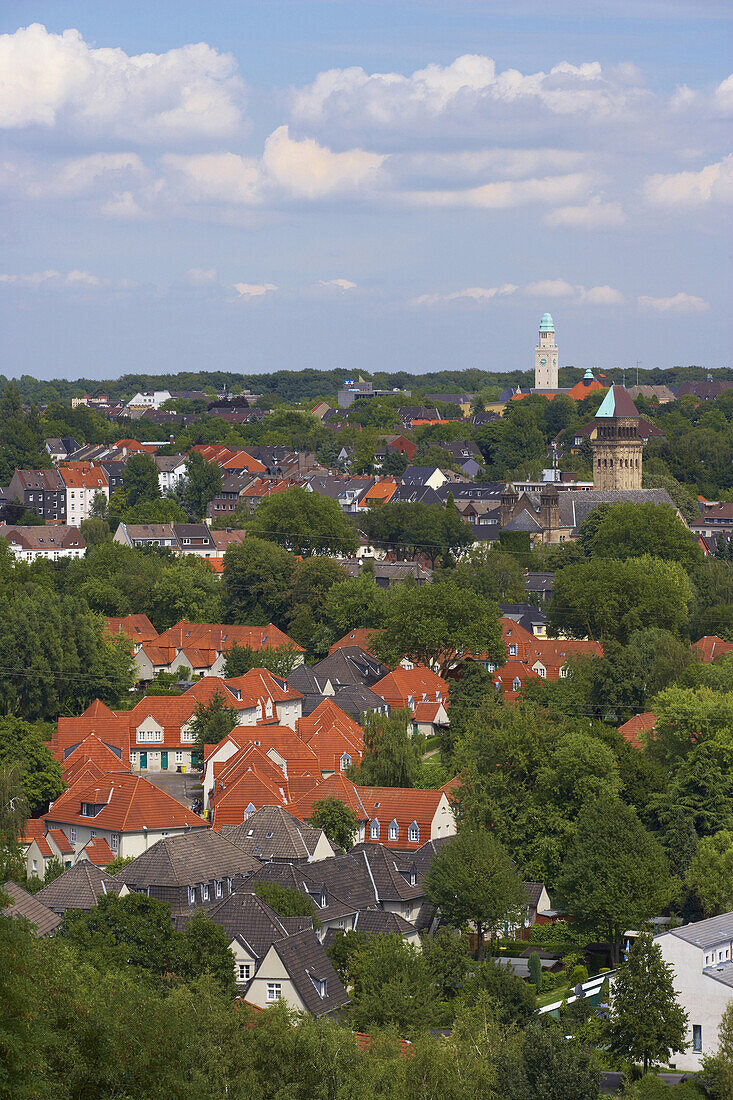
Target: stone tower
column 545, row 356
column 617, row 448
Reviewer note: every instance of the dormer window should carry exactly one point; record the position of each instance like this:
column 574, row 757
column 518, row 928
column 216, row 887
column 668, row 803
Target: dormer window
column 413, row 833
column 218, row 888
column 393, row 830
column 512, row 650
column 205, row 891
column 249, row 811
column 192, row 895
column 345, row 761
column 516, row 684
column 374, row 830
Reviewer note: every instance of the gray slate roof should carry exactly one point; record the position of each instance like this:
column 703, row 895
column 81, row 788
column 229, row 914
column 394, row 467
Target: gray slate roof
column 186, row 860
column 78, row 888
column 706, row 933
column 272, row 833
column 25, row 905
column 307, row 963
column 246, row 917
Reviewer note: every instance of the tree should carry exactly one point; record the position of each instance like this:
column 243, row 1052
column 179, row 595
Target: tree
column 646, row 1023
column 256, row 582
column 240, row 659
column 492, row 575
column 391, row 986
column 40, row 773
column 141, row 479
column 132, row 931
column 342, row 949
column 710, row 873
column 554, row 1067
column 637, row 530
column 356, row 603
column 615, row 874
column 718, row 1069
column 14, row 812
column 204, row 949
column 187, row 590
column 390, row 758
column 446, row 955
column 473, row 879
column 95, row 531
column 436, row 625
column 306, row 523
column 337, row 821
column 202, row 484
column 535, row 970
column 210, row 722
column 117, row 864
column 287, row 902
column 605, row 598
column 411, row 531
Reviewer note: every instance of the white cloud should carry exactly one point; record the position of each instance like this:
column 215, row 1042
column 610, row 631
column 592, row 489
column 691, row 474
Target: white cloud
column 723, row 98
column 84, row 174
column 544, row 288
column 678, row 303
column 387, row 98
column 254, row 290
column 508, row 193
column 549, row 288
column 713, row 183
column 200, row 276
column 51, row 279
column 221, row 177
column 595, row 214
column 341, row 284
column 602, row 296
column 52, row 80
column 309, row 170
column 122, row 205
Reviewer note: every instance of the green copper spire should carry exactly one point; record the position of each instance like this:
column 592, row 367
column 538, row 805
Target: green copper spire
column 546, row 324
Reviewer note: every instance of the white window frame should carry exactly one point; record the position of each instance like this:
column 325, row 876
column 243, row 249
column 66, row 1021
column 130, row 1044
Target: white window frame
column 274, row 991
column 413, row 833
column 192, row 895
column 394, row 831
column 374, row 829
column 218, row 888
column 243, row 970
column 114, row 842
column 204, row 891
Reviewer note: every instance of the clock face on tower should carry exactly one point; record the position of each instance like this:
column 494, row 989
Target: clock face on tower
column 543, row 362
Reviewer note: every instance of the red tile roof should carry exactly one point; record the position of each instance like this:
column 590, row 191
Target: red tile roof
column 361, row 636
column 504, row 678
column 331, row 734
column 137, row 627
column 640, row 723
column 711, row 647
column 34, row 827
column 262, row 684
column 99, row 852
column 218, row 637
column 129, row 803
column 419, row 684
column 60, row 840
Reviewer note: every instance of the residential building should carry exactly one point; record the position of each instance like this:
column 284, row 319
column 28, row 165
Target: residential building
column 125, row 810
column 149, row 400
column 146, row 535
column 298, row 970
column 83, row 483
column 407, row 687
column 638, row 729
column 79, row 887
column 48, row 542
column 171, row 472
column 272, row 834
column 424, row 477
column 701, row 955
column 195, row 538
column 25, row 906
column 137, row 627
column 40, row 491
column 60, row 449
column 711, row 647
column 360, row 390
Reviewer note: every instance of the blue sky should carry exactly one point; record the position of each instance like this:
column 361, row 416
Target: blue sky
column 253, row 186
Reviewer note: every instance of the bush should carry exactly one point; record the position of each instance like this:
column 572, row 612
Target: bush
column 579, row 974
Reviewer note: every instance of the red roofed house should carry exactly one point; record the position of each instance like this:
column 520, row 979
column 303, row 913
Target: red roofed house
column 711, row 647
column 137, row 627
column 83, row 482
column 282, row 701
column 98, row 852
column 398, row 817
column 551, row 657
column 202, row 647
column 636, row 727
column 406, row 687
column 46, row 846
column 124, row 810
column 362, row 636
column 511, row 678
column 336, row 739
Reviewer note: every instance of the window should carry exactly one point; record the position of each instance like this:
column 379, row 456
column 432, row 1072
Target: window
column 93, row 834
column 35, row 866
column 205, row 892
column 393, row 830
column 114, row 842
column 345, row 761
column 243, row 972
column 72, row 835
column 512, row 651
column 516, row 684
column 374, row 830
column 218, row 888
column 413, row 833
column 541, row 671
column 697, row 1038
column 192, row 895
column 179, row 757
column 250, row 810
column 274, row 991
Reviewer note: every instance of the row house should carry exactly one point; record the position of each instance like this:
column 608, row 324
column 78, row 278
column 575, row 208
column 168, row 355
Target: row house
column 202, row 647
column 183, row 538
column 529, row 657
column 83, row 483
column 230, row 459
column 40, row 491
column 125, row 810
column 419, row 690
column 48, row 542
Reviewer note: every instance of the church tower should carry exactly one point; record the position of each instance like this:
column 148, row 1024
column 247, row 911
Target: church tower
column 545, row 356
column 617, row 448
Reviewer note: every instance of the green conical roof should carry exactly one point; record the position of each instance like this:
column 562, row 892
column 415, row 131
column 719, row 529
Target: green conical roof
column 546, row 324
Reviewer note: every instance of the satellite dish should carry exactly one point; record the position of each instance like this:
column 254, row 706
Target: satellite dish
column 579, row 992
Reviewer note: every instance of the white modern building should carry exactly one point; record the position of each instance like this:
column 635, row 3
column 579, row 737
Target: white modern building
column 701, row 955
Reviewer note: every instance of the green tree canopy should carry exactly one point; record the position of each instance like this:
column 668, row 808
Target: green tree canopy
column 615, row 875
column 710, row 873
column 186, row 590
column 256, row 582
column 411, row 531
column 337, row 821
column 637, row 530
column 23, row 744
column 210, row 722
column 202, row 484
column 473, row 879
column 435, row 624
column 306, row 523
column 646, row 1023
column 141, row 479
column 607, row 598
column 391, row 757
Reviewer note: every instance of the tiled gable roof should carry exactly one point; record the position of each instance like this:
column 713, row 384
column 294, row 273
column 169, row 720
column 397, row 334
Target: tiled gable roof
column 137, row 627
column 272, row 833
column 711, row 647
column 25, row 905
column 261, row 683
column 246, row 917
column 187, row 859
column 129, row 803
column 641, row 723
column 307, row 963
column 98, row 852
column 361, row 636
column 78, row 888
column 401, row 685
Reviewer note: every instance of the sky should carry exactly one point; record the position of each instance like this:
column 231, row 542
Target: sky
column 256, row 185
